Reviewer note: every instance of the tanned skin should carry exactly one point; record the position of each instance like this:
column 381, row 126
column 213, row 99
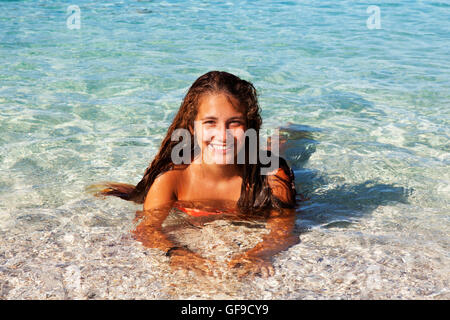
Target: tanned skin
column 219, row 182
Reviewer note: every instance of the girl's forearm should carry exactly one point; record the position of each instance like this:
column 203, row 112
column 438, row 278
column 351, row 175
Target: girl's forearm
column 153, row 238
column 272, row 244
column 280, row 237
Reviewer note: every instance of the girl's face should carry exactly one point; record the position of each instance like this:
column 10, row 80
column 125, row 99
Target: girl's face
column 219, row 128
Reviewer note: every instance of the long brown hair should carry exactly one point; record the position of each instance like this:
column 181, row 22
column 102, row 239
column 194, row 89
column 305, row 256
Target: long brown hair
column 256, row 194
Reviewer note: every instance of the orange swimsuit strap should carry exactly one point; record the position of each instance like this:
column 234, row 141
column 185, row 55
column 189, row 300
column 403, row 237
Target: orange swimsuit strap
column 198, row 213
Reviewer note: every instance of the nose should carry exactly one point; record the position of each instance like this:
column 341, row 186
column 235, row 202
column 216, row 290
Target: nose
column 222, row 135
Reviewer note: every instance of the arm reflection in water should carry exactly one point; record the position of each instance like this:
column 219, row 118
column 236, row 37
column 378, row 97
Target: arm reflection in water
column 256, row 261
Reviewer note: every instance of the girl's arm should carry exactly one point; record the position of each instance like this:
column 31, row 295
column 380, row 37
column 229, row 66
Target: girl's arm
column 281, row 235
column 157, row 205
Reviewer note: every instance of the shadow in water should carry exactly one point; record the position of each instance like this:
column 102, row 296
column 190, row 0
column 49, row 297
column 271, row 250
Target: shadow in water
column 341, row 205
column 328, row 203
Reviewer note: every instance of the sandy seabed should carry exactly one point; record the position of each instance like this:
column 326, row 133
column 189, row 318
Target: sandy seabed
column 40, row 261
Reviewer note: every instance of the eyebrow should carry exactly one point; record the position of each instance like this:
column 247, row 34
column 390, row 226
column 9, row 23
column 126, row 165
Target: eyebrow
column 215, row 118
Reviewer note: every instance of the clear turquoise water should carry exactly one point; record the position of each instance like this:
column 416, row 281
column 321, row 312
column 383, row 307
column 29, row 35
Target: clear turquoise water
column 88, row 105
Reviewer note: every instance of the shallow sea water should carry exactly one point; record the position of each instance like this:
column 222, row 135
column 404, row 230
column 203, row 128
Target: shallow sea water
column 366, row 112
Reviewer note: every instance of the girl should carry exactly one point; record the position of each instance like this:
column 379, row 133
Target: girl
column 217, row 111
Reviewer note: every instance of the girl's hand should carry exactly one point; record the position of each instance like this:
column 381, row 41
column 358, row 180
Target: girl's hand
column 188, row 260
column 251, row 265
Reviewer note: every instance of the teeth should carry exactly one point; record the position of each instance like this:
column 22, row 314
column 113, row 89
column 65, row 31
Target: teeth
column 217, row 147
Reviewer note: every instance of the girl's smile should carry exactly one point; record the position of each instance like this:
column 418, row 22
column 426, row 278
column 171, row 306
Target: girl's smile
column 221, row 114
column 219, row 127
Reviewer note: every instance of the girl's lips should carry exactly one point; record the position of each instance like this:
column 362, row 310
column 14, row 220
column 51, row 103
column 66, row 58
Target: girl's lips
column 218, row 148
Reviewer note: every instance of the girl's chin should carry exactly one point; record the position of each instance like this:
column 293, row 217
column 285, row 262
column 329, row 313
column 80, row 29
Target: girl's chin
column 219, row 158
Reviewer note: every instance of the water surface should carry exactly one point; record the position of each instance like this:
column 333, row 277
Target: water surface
column 367, row 109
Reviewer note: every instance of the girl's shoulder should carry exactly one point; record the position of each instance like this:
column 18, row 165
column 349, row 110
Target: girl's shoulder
column 172, row 172
column 164, row 188
column 282, row 171
column 282, row 182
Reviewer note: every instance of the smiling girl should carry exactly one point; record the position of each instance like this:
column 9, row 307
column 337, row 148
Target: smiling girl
column 217, row 111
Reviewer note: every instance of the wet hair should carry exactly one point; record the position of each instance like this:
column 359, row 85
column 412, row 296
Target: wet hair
column 256, row 194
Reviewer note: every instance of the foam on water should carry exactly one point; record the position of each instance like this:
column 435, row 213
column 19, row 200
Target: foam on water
column 366, row 110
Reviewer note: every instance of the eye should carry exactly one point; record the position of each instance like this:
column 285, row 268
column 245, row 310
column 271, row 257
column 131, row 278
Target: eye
column 235, row 123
